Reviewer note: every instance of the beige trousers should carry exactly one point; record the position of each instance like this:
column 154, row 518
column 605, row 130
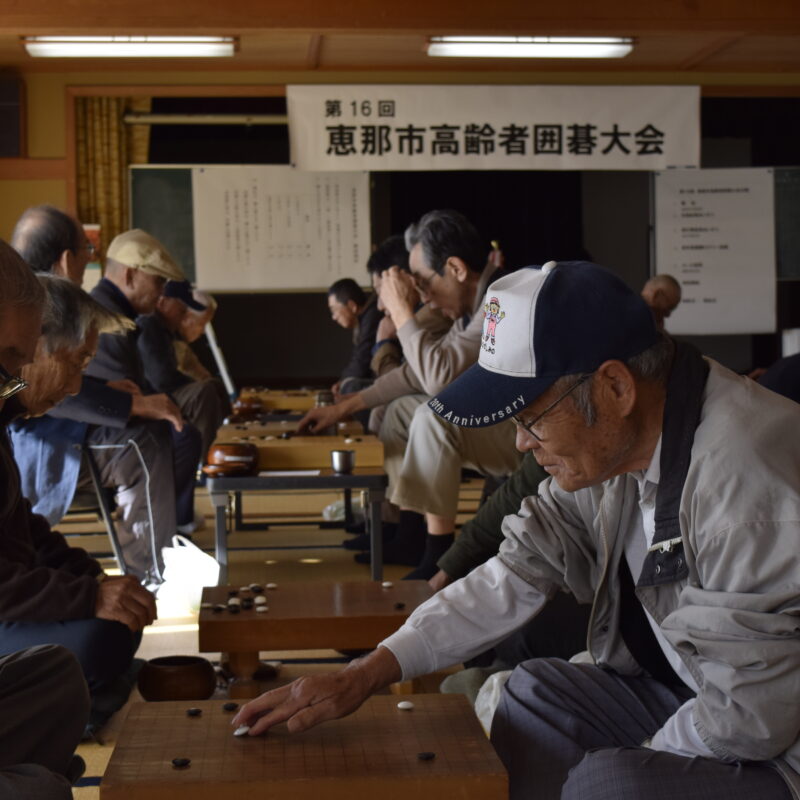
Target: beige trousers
column 424, row 455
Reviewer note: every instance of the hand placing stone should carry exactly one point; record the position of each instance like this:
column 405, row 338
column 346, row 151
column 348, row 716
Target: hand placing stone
column 242, row 730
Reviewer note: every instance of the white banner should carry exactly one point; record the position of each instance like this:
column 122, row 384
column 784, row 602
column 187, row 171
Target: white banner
column 274, row 227
column 715, row 233
column 494, row 127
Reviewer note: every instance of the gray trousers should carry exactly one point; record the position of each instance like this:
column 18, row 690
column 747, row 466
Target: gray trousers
column 44, row 706
column 139, row 490
column 205, row 404
column 574, row 731
column 424, row 455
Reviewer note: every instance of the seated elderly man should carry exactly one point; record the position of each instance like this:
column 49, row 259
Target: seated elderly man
column 44, row 706
column 203, row 403
column 672, row 505
column 422, row 456
column 127, row 430
column 49, row 591
column 663, row 294
column 354, row 310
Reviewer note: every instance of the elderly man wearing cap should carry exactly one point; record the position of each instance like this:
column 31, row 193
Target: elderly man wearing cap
column 673, row 507
column 130, row 432
column 203, row 402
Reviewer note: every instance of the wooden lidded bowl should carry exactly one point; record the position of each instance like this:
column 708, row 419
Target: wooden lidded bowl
column 177, row 678
column 232, row 458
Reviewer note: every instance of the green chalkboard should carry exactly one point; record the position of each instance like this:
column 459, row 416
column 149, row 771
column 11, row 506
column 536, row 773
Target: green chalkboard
column 787, row 222
column 161, row 204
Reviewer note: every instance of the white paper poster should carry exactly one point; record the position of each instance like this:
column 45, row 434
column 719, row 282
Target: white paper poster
column 715, row 233
column 274, row 227
column 493, row 127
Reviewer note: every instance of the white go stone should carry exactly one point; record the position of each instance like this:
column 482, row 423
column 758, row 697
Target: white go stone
column 405, row 705
column 241, row 730
column 206, row 605
column 387, row 584
column 260, row 600
column 272, row 586
column 349, row 441
column 244, row 588
column 234, row 601
column 262, row 609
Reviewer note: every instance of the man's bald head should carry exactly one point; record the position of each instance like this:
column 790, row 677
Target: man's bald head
column 52, row 241
column 662, row 293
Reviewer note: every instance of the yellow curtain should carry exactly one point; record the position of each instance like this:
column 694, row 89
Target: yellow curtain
column 106, row 146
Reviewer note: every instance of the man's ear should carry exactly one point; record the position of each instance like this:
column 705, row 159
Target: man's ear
column 616, row 387
column 130, row 276
column 458, row 268
column 61, row 267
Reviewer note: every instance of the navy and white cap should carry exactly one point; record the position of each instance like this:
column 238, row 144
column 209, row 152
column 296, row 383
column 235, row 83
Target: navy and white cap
column 182, row 290
column 540, row 324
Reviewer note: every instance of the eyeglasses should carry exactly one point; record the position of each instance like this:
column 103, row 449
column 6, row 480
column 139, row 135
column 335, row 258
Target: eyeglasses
column 424, row 284
column 528, row 427
column 9, row 385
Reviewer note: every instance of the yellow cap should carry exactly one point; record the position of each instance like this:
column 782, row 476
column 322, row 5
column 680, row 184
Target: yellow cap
column 139, row 250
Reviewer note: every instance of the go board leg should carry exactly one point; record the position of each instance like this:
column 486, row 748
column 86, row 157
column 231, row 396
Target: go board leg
column 220, row 502
column 376, row 534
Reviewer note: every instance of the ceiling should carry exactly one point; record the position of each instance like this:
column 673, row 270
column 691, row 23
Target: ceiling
column 672, row 36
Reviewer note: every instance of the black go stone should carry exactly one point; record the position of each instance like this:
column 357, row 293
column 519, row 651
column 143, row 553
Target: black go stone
column 233, row 592
column 230, row 706
column 181, row 763
column 399, row 606
column 247, row 604
column 427, row 756
column 218, row 609
column 256, row 589
column 194, row 712
column 234, row 609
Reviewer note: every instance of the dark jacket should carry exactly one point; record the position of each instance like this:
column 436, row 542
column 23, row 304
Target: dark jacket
column 156, row 345
column 42, row 578
column 363, row 340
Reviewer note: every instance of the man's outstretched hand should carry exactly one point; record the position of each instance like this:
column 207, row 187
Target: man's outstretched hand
column 308, row 701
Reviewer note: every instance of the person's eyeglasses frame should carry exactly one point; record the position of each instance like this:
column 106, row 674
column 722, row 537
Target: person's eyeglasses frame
column 529, row 426
column 9, row 384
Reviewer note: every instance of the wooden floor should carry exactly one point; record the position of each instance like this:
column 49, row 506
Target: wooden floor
column 297, row 552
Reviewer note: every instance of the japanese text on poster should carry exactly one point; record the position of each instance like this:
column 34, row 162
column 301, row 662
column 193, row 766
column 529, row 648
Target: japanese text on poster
column 493, row 127
column 715, row 233
column 273, row 227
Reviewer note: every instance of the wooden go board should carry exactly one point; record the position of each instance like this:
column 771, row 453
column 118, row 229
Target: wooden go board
column 301, row 400
column 255, row 430
column 308, row 615
column 372, row 753
column 310, row 452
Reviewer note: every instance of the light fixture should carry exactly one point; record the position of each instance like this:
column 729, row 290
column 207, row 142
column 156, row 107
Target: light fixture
column 129, row 46
column 530, row 46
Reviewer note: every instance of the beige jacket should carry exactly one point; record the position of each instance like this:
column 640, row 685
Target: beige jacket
column 432, row 361
column 735, row 619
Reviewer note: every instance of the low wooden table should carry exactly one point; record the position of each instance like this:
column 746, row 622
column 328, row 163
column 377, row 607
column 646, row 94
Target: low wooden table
column 351, row 615
column 372, row 753
column 373, row 480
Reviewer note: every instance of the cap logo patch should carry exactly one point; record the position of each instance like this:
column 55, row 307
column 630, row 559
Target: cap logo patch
column 492, row 315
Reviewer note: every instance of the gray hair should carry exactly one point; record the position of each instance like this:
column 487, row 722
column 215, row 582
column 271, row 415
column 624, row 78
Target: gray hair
column 446, row 234
column 650, row 365
column 18, row 285
column 70, row 315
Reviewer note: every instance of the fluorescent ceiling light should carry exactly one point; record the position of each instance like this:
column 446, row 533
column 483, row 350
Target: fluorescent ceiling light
column 129, row 46
column 530, row 46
